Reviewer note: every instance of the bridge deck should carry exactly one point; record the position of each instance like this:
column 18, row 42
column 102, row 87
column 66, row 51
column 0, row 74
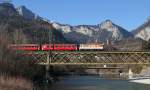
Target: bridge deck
column 87, row 57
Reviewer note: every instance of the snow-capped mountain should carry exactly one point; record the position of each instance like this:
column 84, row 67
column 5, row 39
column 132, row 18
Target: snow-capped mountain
column 143, row 31
column 92, row 33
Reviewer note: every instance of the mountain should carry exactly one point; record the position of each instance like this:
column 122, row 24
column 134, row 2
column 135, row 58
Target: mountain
column 143, row 31
column 18, row 29
column 26, row 13
column 79, row 34
column 102, row 32
column 20, row 25
column 7, row 9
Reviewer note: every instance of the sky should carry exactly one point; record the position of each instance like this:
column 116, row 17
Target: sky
column 127, row 13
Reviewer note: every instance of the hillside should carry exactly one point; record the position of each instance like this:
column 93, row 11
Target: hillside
column 21, row 30
column 20, row 25
column 129, row 44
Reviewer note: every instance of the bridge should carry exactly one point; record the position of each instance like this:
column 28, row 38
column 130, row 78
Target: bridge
column 87, row 57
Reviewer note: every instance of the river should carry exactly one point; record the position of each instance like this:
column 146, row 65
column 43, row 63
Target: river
column 94, row 83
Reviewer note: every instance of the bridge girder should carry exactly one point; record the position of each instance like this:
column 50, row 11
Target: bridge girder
column 90, row 58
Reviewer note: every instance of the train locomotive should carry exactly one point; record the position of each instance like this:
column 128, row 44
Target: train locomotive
column 56, row 47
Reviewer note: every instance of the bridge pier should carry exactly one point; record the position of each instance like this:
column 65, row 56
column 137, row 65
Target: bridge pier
column 130, row 74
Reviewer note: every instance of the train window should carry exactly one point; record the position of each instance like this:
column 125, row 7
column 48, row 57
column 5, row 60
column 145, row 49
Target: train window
column 59, row 45
column 68, row 46
column 72, row 45
column 64, row 46
column 48, row 46
column 56, row 46
column 44, row 46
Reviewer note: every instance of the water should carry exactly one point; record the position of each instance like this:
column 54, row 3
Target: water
column 94, row 83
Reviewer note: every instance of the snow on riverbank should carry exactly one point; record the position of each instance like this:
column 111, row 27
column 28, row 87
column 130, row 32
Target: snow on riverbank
column 141, row 81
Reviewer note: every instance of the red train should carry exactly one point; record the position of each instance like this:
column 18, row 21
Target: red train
column 44, row 47
column 56, row 47
column 26, row 47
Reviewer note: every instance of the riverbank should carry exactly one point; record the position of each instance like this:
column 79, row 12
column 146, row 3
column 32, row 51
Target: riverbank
column 15, row 83
column 141, row 80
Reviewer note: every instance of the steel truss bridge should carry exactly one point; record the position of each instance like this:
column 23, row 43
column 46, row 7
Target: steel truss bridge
column 86, row 57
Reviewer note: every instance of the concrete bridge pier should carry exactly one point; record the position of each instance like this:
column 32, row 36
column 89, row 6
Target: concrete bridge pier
column 130, row 74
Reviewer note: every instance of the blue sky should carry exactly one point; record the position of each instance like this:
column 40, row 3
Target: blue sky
column 126, row 13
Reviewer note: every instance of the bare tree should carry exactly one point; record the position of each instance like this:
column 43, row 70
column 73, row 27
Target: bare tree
column 3, row 41
column 19, row 37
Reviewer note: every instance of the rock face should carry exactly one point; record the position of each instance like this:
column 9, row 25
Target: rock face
column 26, row 13
column 117, row 32
column 143, row 31
column 79, row 34
column 92, row 33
